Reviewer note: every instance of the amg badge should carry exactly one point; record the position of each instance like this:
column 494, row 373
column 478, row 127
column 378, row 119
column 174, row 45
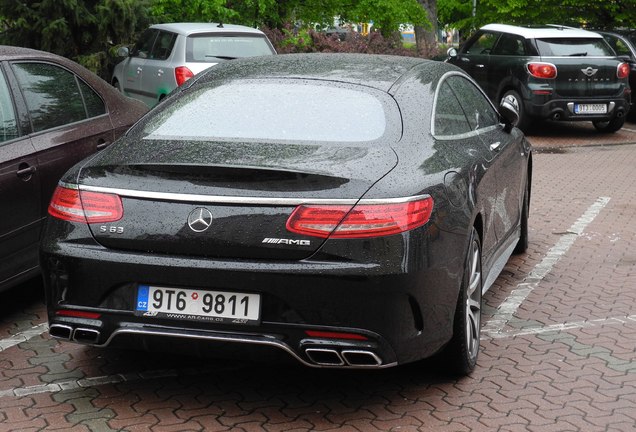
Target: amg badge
column 286, row 241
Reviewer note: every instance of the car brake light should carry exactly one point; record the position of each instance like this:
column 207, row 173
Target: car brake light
column 542, row 70
column 361, row 221
column 78, row 314
column 622, row 71
column 335, row 335
column 86, row 207
column 182, row 74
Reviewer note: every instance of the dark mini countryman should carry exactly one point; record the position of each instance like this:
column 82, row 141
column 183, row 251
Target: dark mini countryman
column 555, row 73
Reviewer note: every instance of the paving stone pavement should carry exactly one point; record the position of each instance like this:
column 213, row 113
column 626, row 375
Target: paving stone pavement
column 558, row 348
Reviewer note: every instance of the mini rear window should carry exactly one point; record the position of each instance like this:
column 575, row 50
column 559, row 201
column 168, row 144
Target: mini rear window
column 275, row 111
column 214, row 47
column 574, row 47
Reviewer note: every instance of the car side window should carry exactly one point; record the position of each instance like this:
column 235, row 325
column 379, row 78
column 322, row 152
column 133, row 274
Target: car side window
column 510, row 45
column 9, row 127
column 483, row 44
column 53, row 95
column 143, row 47
column 449, row 118
column 618, row 45
column 163, row 46
column 478, row 109
column 94, row 103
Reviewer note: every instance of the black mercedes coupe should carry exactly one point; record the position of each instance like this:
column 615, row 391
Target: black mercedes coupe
column 346, row 211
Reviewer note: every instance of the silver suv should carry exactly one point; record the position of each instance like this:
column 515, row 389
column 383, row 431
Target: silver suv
column 167, row 55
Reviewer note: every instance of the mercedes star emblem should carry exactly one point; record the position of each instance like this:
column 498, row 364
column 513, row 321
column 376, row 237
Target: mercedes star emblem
column 199, row 219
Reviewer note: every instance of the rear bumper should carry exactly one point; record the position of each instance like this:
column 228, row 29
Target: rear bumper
column 403, row 312
column 564, row 108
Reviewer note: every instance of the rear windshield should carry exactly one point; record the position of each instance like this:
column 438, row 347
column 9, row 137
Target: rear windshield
column 575, row 47
column 212, row 47
column 292, row 110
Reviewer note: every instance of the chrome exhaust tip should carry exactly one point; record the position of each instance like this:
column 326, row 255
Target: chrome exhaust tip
column 60, row 331
column 86, row 336
column 360, row 358
column 324, row 357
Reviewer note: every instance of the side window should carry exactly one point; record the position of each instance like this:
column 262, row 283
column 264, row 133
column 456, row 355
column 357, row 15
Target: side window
column 510, row 45
column 618, row 45
column 483, row 44
column 94, row 104
column 9, row 126
column 163, row 46
column 52, row 95
column 476, row 106
column 449, row 118
column 143, row 47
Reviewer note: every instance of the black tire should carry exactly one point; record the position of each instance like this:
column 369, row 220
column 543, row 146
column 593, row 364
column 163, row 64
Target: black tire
column 117, row 86
column 609, row 126
column 524, row 121
column 460, row 354
column 522, row 244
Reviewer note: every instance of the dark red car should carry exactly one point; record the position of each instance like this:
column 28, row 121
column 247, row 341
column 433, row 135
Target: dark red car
column 53, row 113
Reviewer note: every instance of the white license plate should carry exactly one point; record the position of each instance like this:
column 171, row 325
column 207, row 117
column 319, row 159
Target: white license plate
column 198, row 305
column 590, row 109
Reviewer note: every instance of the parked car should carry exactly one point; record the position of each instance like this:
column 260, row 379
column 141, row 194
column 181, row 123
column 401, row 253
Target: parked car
column 167, row 55
column 624, row 44
column 343, row 237
column 556, row 73
column 54, row 113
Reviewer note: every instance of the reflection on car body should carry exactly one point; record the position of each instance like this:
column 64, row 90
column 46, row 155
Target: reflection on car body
column 339, row 237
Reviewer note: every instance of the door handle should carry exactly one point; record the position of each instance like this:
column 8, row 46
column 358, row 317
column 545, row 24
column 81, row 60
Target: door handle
column 160, row 72
column 139, row 69
column 25, row 171
column 495, row 146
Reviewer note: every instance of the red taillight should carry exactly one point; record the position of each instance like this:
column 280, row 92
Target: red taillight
column 364, row 220
column 182, row 74
column 623, row 71
column 85, row 207
column 78, row 314
column 335, row 335
column 542, row 70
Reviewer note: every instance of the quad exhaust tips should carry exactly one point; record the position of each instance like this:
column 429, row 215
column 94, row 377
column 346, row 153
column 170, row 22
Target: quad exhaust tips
column 332, row 357
column 79, row 335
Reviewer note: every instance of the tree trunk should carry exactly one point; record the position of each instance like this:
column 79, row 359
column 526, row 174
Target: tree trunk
column 425, row 38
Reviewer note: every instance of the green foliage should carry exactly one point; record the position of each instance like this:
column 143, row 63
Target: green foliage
column 77, row 29
column 575, row 13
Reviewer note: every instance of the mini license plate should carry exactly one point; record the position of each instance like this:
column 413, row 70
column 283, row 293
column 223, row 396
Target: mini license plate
column 198, row 305
column 590, row 109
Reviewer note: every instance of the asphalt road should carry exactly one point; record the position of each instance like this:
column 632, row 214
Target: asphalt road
column 558, row 347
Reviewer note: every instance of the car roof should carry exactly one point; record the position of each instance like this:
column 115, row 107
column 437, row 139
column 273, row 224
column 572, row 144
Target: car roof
column 8, row 52
column 190, row 28
column 378, row 71
column 547, row 31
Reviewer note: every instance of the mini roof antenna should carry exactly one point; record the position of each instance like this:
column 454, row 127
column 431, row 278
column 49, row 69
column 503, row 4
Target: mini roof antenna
column 220, row 25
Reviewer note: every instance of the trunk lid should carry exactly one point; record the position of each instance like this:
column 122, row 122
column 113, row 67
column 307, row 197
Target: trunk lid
column 226, row 200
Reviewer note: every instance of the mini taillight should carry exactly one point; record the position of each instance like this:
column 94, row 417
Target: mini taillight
column 542, row 70
column 364, row 220
column 182, row 74
column 622, row 71
column 86, row 207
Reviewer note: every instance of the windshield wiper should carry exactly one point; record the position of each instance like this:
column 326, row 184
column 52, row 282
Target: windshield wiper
column 583, row 54
column 222, row 57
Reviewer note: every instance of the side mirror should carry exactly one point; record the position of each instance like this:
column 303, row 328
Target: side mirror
column 452, row 52
column 509, row 112
column 123, row 52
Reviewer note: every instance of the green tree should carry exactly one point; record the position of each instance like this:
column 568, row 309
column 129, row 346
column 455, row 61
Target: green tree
column 81, row 30
column 575, row 13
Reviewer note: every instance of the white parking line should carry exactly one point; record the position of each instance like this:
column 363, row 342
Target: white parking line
column 628, row 129
column 509, row 307
column 23, row 336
